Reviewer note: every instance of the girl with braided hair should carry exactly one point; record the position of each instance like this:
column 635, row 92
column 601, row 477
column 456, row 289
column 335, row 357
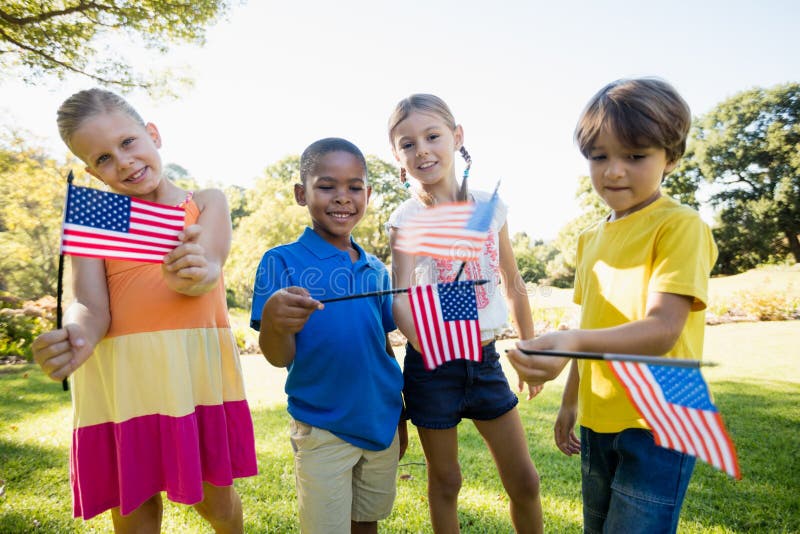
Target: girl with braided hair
column 424, row 138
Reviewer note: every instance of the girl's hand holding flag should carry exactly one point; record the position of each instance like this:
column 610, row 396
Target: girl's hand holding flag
column 60, row 352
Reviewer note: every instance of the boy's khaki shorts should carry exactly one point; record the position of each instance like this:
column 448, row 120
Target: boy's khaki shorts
column 338, row 482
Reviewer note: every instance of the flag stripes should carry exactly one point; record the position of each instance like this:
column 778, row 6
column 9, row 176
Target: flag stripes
column 698, row 431
column 442, row 340
column 100, row 224
column 454, row 230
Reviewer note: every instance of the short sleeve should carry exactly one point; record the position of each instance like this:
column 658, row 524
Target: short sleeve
column 577, row 291
column 684, row 255
column 401, row 214
column 271, row 276
column 387, row 318
column 500, row 214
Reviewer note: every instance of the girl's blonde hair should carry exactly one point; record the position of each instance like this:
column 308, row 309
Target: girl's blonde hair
column 640, row 112
column 424, row 103
column 432, row 105
column 86, row 104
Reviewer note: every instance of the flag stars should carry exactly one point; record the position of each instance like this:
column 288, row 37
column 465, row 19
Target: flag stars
column 99, row 209
column 458, row 301
column 682, row 387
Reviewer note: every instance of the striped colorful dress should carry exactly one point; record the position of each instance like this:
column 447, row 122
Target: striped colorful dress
column 160, row 405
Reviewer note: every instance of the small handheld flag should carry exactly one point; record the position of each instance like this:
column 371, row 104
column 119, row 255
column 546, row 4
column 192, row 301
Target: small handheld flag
column 676, row 403
column 100, row 224
column 446, row 319
column 456, row 230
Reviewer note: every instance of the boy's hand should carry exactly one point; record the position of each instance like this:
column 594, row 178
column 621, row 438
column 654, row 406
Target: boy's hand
column 564, row 431
column 536, row 370
column 288, row 310
column 60, row 352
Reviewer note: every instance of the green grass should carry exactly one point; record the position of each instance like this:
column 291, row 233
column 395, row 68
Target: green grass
column 756, row 387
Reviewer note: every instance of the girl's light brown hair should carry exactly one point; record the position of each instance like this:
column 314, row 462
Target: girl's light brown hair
column 86, row 104
column 641, row 112
column 424, row 103
column 432, row 105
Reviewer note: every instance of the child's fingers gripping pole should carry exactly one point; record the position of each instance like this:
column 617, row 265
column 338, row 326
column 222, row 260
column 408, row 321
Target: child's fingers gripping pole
column 636, row 358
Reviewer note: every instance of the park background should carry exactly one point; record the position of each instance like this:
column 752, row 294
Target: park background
column 239, row 89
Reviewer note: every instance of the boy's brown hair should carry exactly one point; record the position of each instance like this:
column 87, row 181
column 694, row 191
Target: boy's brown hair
column 641, row 112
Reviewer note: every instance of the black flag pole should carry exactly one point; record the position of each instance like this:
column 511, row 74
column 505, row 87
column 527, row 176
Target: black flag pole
column 387, row 292
column 635, row 358
column 60, row 283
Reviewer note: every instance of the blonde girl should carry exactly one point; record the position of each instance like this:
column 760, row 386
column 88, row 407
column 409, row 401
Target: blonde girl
column 158, row 396
column 425, row 139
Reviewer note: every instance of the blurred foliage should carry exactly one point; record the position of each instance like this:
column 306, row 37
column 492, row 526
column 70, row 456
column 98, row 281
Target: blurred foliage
column 32, row 186
column 561, row 268
column 754, row 305
column 56, row 38
column 21, row 321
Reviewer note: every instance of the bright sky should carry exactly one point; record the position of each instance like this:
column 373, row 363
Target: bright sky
column 276, row 76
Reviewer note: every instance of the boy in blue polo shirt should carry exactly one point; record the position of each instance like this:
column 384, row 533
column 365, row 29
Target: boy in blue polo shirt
column 344, row 385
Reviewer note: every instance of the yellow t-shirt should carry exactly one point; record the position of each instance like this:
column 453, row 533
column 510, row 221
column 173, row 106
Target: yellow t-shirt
column 665, row 247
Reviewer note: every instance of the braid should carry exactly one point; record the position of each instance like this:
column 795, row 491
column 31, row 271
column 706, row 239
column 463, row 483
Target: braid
column 403, row 178
column 462, row 193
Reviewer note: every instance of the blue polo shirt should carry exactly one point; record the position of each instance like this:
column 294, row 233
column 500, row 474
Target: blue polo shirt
column 341, row 379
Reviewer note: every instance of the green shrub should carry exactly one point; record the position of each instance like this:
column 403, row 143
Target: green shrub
column 750, row 305
column 21, row 321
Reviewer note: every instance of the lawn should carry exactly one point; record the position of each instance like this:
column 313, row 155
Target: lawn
column 756, row 387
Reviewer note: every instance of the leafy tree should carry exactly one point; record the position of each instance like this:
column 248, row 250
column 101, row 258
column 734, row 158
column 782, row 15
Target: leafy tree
column 387, row 194
column 59, row 37
column 683, row 183
column 274, row 218
column 532, row 257
column 748, row 147
column 237, row 203
column 32, row 186
column 561, row 267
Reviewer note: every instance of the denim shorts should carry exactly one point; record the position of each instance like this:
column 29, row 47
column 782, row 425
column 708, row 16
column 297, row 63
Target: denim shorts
column 457, row 389
column 630, row 484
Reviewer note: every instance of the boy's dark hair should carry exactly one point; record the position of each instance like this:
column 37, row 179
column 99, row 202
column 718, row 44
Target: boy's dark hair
column 641, row 112
column 317, row 149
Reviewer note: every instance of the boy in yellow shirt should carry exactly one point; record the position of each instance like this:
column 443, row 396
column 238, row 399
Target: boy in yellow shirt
column 641, row 280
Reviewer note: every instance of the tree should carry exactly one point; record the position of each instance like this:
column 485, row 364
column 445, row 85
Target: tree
column 387, row 194
column 561, row 268
column 683, row 183
column 58, row 38
column 532, row 257
column 273, row 218
column 32, row 186
column 748, row 147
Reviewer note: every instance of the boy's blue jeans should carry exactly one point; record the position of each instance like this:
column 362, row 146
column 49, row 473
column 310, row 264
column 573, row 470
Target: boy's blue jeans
column 630, row 484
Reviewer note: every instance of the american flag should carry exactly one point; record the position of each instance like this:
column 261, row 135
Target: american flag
column 446, row 320
column 456, row 230
column 676, row 403
column 100, row 224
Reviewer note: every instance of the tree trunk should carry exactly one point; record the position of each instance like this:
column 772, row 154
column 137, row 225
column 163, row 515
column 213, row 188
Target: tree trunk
column 794, row 243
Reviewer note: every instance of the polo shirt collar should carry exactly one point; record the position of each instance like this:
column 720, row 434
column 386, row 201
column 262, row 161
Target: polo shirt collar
column 323, row 250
